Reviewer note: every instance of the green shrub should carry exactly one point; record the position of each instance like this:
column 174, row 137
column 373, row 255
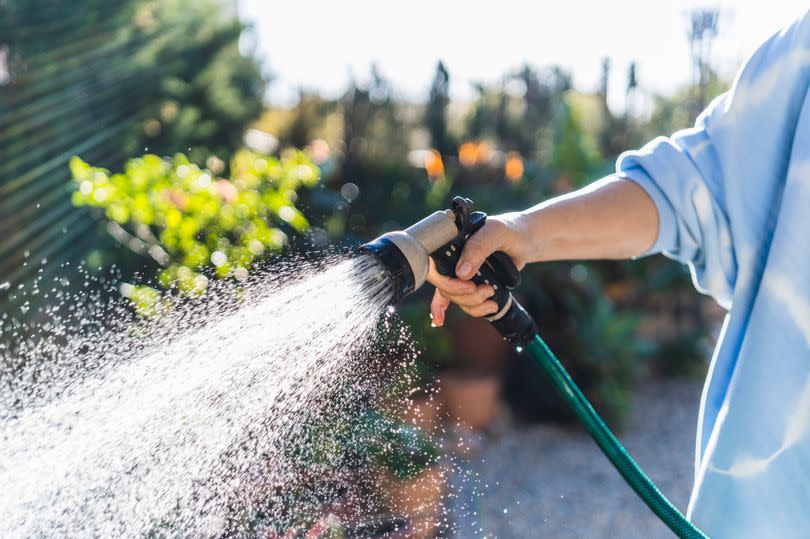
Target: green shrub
column 192, row 223
column 402, row 449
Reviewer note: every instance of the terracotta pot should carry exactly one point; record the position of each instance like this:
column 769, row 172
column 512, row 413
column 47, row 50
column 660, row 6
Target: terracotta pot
column 470, row 398
column 478, row 345
column 419, row 500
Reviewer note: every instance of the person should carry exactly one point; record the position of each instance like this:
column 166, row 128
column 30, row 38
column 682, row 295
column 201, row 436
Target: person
column 730, row 197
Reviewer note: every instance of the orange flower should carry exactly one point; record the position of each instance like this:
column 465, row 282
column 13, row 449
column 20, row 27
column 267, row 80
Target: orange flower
column 514, row 167
column 468, row 154
column 434, row 164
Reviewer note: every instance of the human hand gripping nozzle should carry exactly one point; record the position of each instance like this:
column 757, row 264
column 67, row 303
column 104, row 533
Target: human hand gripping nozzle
column 441, row 236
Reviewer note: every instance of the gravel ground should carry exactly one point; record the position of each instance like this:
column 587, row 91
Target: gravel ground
column 545, row 481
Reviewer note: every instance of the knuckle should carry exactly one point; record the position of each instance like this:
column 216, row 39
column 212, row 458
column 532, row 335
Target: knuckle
column 485, row 292
column 488, row 307
column 466, row 300
column 475, row 244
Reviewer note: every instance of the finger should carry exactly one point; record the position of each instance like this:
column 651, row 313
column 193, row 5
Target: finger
column 438, row 308
column 478, row 247
column 484, row 309
column 449, row 285
column 481, row 294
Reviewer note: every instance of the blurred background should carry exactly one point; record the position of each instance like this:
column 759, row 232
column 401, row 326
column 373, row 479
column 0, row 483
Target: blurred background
column 168, row 144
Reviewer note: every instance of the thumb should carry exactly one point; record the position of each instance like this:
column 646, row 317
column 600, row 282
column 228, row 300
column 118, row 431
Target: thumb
column 478, row 247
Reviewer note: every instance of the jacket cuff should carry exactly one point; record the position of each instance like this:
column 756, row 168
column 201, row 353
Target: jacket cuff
column 667, row 228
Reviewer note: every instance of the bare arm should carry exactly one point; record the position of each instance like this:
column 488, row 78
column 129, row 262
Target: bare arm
column 612, row 218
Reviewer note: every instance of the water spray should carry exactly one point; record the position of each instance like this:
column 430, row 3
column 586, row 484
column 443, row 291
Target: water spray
column 441, row 236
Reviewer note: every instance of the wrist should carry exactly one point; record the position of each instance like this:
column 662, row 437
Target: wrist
column 516, row 237
column 533, row 231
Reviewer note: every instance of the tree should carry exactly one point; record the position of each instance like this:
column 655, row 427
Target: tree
column 436, row 111
column 207, row 91
column 308, row 117
column 604, row 82
column 702, row 33
column 105, row 80
column 575, row 154
column 372, row 128
column 519, row 122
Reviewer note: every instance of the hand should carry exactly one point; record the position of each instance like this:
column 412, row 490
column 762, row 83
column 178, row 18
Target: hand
column 499, row 233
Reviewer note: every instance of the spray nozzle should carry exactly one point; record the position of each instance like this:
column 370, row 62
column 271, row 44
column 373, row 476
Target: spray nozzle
column 441, row 236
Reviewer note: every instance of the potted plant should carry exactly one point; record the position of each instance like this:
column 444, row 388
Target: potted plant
column 408, row 479
column 470, row 382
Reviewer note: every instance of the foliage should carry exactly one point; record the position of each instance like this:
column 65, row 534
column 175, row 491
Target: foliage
column 683, row 355
column 575, row 154
column 306, row 118
column 207, row 89
column 435, row 342
column 518, row 113
column 193, row 223
column 436, row 111
column 674, row 112
column 364, row 438
column 372, row 127
column 402, row 449
column 107, row 79
column 606, row 351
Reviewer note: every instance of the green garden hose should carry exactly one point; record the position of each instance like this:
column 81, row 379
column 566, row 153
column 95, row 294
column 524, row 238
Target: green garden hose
column 610, row 446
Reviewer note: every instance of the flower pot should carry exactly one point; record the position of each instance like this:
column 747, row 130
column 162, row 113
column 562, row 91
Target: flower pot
column 470, row 397
column 419, row 500
column 477, row 345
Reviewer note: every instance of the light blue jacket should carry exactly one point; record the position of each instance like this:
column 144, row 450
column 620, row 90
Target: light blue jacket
column 733, row 196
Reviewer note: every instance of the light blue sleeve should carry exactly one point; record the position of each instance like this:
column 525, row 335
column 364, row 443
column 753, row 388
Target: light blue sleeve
column 715, row 184
column 684, row 177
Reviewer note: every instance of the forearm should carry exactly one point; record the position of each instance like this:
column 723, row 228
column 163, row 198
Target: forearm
column 612, row 218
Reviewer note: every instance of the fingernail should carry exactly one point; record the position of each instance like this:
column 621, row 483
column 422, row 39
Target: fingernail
column 464, row 269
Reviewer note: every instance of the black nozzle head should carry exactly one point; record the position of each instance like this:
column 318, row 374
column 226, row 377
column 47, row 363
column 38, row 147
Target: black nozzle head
column 395, row 264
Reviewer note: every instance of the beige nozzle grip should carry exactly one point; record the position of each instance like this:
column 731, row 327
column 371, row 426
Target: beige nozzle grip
column 420, row 239
column 434, row 230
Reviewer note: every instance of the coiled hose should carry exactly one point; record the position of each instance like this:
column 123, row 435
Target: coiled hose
column 610, row 446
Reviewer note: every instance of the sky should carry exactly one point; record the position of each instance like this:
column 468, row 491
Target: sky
column 316, row 44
